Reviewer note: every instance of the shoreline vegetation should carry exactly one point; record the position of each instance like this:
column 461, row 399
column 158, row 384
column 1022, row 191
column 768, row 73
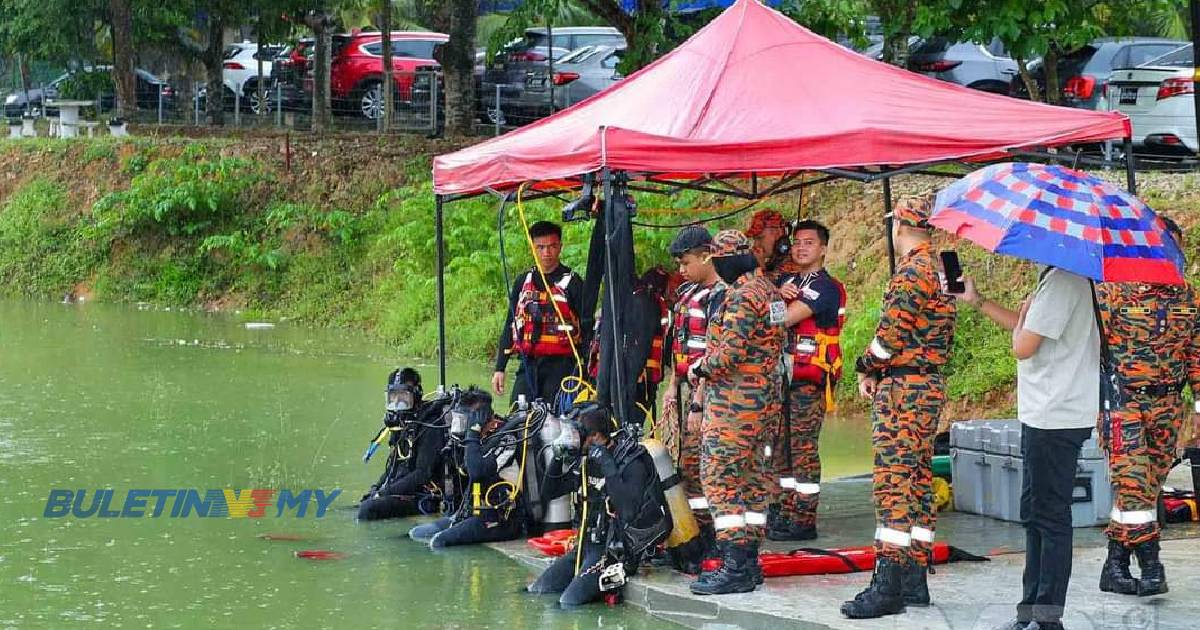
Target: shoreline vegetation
column 345, row 238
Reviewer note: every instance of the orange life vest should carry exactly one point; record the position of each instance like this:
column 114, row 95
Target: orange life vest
column 537, row 329
column 816, row 352
column 690, row 326
column 654, row 363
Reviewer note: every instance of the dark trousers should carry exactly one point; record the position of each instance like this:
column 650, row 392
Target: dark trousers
column 388, row 506
column 541, row 377
column 474, row 530
column 1046, row 489
column 560, row 577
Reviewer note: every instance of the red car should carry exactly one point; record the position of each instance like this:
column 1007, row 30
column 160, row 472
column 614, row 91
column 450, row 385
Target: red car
column 356, row 68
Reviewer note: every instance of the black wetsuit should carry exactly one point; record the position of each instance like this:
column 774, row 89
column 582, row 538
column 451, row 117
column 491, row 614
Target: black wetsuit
column 631, row 490
column 410, row 483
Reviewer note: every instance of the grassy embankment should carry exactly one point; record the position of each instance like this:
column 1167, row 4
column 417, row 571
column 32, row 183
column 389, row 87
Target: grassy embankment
column 345, row 238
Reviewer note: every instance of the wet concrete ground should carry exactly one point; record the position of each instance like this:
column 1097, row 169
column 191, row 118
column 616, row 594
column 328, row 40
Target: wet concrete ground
column 967, row 595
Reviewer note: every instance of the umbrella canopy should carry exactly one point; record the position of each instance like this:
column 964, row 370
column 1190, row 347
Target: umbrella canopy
column 1058, row 216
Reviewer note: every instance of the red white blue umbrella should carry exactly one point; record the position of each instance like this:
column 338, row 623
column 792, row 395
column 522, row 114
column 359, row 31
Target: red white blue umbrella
column 1058, row 216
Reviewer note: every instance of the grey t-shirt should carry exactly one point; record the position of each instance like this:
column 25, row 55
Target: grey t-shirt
column 1059, row 386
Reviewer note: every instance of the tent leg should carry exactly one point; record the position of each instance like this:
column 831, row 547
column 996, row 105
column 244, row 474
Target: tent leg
column 1130, row 167
column 887, row 223
column 441, row 289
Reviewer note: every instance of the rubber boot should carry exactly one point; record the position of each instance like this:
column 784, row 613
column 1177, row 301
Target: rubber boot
column 885, row 595
column 916, row 585
column 1154, row 576
column 785, row 529
column 754, row 566
column 733, row 576
column 1115, row 576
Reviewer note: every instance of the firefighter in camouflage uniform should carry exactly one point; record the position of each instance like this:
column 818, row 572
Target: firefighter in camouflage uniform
column 816, row 312
column 900, row 372
column 770, row 242
column 1153, row 336
column 741, row 410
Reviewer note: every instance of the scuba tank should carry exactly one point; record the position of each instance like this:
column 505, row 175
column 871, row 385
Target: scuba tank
column 556, row 513
column 684, row 527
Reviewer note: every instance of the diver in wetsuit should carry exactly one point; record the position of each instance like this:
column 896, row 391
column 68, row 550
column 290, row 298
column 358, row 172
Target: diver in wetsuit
column 626, row 513
column 409, row 484
column 492, row 506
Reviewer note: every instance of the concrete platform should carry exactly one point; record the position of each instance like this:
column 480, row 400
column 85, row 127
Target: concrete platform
column 967, row 596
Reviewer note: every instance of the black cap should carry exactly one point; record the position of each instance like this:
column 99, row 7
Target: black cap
column 689, row 238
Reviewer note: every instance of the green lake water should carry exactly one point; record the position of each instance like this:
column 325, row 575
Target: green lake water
column 99, row 396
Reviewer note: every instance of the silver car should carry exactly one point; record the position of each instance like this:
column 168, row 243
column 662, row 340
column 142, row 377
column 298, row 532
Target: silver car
column 987, row 68
column 579, row 75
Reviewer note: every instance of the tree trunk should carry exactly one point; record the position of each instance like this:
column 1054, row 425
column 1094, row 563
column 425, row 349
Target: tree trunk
column 260, row 87
column 1050, row 65
column 458, row 65
column 214, row 61
column 320, row 23
column 122, row 40
column 388, row 89
column 1031, row 85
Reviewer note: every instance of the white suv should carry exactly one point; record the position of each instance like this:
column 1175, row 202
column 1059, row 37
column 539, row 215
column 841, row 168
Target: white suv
column 241, row 73
column 1158, row 98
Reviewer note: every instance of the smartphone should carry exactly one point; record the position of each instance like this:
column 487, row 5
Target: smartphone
column 953, row 272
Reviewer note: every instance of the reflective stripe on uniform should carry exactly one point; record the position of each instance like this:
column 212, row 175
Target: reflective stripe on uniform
column 1136, row 517
column 893, row 536
column 808, row 488
column 697, row 312
column 696, row 343
column 698, row 503
column 729, row 521
column 878, row 350
column 756, row 518
column 1198, row 406
column 787, row 482
column 921, row 534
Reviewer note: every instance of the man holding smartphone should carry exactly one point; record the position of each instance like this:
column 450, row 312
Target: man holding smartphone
column 900, row 372
column 1057, row 345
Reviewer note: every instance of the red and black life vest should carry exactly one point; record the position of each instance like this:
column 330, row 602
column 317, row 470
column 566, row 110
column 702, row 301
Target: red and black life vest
column 816, row 352
column 537, row 329
column 690, row 326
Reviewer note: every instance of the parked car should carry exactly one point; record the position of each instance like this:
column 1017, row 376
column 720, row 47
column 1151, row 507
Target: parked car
column 1158, row 98
column 356, row 69
column 147, row 88
column 987, row 68
column 577, row 76
column 288, row 71
column 512, row 66
column 1083, row 73
column 240, row 73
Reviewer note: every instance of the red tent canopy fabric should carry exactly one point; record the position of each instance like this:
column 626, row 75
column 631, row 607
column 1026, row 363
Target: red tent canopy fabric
column 754, row 92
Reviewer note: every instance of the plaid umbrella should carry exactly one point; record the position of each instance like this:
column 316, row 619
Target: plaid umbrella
column 1058, row 216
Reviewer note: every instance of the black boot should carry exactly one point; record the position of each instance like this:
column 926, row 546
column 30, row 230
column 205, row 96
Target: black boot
column 733, row 576
column 1154, row 576
column 1115, row 576
column 755, row 567
column 916, row 585
column 784, row 529
column 883, row 597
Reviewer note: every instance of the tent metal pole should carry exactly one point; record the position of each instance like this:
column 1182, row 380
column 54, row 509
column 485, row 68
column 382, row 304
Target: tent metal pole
column 887, row 223
column 1130, row 167
column 441, row 288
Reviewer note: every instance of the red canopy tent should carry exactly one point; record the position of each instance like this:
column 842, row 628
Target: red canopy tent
column 754, row 92
column 754, row 96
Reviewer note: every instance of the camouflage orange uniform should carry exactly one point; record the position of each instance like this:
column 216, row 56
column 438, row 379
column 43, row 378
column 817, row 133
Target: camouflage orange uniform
column 1153, row 335
column 912, row 342
column 814, row 347
column 742, row 399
